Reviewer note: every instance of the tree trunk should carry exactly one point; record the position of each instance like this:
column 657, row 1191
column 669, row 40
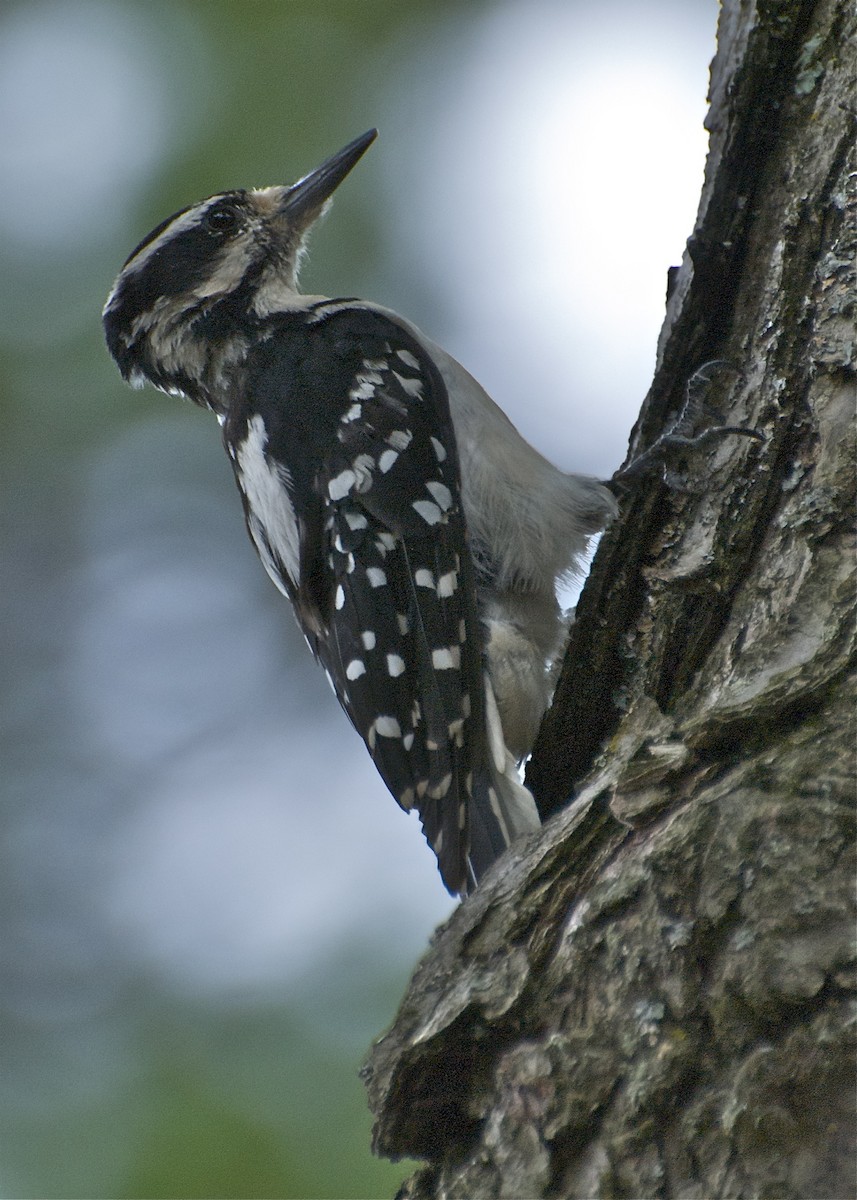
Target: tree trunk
column 650, row 998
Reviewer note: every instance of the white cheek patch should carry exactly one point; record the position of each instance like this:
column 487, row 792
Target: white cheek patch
column 264, row 485
column 229, row 270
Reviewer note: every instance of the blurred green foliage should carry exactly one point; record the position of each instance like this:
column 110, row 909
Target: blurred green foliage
column 298, row 1127
column 138, row 1092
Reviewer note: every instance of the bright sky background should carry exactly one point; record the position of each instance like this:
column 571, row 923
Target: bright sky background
column 555, row 183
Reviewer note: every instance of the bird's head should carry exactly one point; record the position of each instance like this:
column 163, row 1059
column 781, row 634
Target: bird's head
column 190, row 290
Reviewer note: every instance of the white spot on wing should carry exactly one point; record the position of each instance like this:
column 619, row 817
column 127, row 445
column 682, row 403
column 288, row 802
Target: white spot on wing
column 355, row 669
column 395, row 665
column 367, row 379
column 410, row 360
column 367, row 637
column 429, row 511
column 341, row 485
column 387, row 459
column 387, row 727
column 363, row 391
column 447, row 659
column 447, row 584
column 424, row 578
column 441, row 493
column 377, row 578
column 440, row 790
column 414, row 387
column 439, row 449
column 364, row 464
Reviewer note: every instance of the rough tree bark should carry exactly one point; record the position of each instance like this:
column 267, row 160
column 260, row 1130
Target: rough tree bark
column 650, row 998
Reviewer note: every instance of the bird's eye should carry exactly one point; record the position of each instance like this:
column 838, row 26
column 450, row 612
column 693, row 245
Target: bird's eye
column 222, row 219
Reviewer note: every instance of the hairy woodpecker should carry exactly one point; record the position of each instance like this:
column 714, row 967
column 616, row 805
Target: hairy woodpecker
column 418, row 536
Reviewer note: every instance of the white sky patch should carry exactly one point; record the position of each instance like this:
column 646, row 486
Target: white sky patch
column 287, row 871
column 245, row 815
column 89, row 107
column 552, row 174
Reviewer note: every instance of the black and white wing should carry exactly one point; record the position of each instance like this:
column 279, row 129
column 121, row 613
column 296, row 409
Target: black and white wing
column 357, row 516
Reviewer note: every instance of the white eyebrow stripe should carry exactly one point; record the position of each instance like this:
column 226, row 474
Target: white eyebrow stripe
column 185, row 221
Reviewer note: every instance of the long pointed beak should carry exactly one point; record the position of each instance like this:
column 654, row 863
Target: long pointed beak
column 304, row 199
